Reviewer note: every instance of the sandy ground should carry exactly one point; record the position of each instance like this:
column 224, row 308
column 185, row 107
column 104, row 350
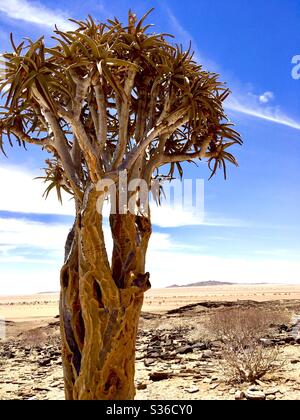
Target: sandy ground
column 30, row 365
column 44, row 306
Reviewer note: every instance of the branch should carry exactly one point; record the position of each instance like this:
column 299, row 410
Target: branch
column 76, row 156
column 168, row 126
column 102, row 118
column 82, row 85
column 62, row 148
column 123, row 120
column 180, row 157
column 87, row 148
column 19, row 133
column 140, row 115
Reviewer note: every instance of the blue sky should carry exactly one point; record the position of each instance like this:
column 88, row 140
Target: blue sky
column 251, row 228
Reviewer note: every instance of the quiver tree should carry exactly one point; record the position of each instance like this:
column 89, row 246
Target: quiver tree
column 105, row 99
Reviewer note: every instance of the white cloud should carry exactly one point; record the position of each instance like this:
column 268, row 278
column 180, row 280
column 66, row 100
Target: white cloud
column 243, row 105
column 168, row 216
column 20, row 192
column 169, row 261
column 28, row 234
column 36, row 13
column 191, row 268
column 173, row 264
column 266, row 97
column 240, row 101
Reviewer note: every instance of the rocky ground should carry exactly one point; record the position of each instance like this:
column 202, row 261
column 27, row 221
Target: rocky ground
column 176, row 358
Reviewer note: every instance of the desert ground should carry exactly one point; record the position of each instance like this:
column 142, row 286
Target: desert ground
column 176, row 356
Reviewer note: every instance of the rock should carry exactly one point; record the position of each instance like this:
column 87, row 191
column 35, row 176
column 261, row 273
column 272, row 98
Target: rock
column 214, row 386
column 266, row 342
column 141, row 385
column 270, row 391
column 148, row 362
column 153, row 354
column 255, row 393
column 294, row 361
column 239, row 395
column 9, row 354
column 260, row 383
column 44, row 362
column 289, row 339
column 54, row 384
column 207, row 354
column 271, row 397
column 176, row 367
column 159, row 376
column 232, row 391
column 184, row 350
column 199, row 346
column 207, row 380
column 192, row 390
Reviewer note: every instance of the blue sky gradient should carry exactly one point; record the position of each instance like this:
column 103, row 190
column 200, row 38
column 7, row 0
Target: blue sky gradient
column 251, row 228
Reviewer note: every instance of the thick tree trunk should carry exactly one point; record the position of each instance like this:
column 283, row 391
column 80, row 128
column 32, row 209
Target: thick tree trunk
column 100, row 306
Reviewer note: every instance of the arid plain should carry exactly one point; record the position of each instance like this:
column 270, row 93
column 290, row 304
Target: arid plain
column 175, row 357
column 45, row 305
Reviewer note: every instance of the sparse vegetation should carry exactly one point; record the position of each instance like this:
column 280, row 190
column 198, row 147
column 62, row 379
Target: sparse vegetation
column 244, row 357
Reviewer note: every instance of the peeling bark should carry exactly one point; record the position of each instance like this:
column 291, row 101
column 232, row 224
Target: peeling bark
column 100, row 306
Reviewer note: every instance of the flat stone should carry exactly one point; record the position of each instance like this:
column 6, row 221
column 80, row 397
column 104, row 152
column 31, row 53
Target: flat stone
column 184, row 350
column 207, row 354
column 239, row 395
column 159, row 376
column 270, row 391
column 192, row 390
column 271, row 397
column 153, row 354
column 199, row 346
column 149, row 362
column 254, row 393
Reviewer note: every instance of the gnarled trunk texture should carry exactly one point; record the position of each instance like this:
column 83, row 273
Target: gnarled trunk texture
column 100, row 304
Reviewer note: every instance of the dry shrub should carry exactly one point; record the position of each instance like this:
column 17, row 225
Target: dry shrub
column 239, row 330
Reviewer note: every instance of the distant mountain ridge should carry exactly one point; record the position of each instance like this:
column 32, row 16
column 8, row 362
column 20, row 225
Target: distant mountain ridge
column 203, row 283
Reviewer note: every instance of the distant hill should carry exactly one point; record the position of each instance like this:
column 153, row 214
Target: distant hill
column 203, row 283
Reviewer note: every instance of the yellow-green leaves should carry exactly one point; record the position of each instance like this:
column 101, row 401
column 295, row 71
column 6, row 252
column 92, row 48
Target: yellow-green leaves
column 121, row 83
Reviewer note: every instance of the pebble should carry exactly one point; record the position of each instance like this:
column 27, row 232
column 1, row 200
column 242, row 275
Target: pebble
column 192, row 390
column 239, row 395
column 255, row 393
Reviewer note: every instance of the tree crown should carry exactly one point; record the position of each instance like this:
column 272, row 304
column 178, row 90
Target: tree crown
column 108, row 97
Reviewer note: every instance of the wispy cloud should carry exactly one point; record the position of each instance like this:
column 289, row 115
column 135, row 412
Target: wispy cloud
column 20, row 192
column 169, row 216
column 36, row 13
column 23, row 258
column 23, row 194
column 241, row 100
column 241, row 104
